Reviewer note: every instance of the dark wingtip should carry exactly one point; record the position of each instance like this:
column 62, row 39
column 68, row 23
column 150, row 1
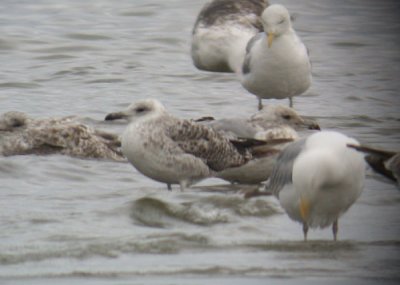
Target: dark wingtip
column 374, row 151
column 377, row 163
column 247, row 142
column 376, row 159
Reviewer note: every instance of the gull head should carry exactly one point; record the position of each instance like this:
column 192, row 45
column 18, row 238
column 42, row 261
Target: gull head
column 143, row 109
column 12, row 120
column 276, row 21
column 276, row 115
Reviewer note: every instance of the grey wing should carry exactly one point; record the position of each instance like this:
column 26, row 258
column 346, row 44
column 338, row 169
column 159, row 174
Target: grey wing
column 235, row 127
column 247, row 58
column 283, row 168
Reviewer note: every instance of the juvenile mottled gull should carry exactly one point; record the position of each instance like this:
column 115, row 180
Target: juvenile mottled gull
column 318, row 178
column 276, row 64
column 384, row 162
column 20, row 134
column 276, row 125
column 221, row 33
column 175, row 151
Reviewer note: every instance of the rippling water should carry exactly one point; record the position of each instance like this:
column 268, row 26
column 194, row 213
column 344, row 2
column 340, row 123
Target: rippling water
column 66, row 220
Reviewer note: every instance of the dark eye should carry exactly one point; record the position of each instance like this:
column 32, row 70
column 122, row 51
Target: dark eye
column 287, row 117
column 281, row 21
column 17, row 123
column 140, row 109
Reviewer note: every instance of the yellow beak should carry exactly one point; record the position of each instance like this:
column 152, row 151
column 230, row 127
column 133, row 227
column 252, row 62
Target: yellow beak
column 304, row 209
column 271, row 37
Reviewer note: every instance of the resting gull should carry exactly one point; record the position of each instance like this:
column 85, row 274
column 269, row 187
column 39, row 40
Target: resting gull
column 221, row 33
column 175, row 151
column 318, row 178
column 276, row 64
column 384, row 162
column 275, row 124
column 20, row 134
column 264, row 124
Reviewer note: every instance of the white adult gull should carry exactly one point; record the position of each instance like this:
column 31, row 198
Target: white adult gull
column 175, row 151
column 21, row 135
column 221, row 32
column 318, row 178
column 276, row 64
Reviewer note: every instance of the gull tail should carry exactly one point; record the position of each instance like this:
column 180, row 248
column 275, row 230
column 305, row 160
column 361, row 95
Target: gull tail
column 260, row 148
column 377, row 159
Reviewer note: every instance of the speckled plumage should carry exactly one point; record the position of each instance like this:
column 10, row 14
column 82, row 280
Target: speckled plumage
column 217, row 151
column 20, row 134
column 221, row 32
column 217, row 12
column 172, row 150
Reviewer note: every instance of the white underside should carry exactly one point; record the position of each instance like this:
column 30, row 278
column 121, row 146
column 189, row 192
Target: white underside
column 216, row 46
column 329, row 179
column 281, row 71
column 158, row 160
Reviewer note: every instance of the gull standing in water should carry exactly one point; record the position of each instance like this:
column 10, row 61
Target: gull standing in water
column 276, row 64
column 221, row 33
column 318, row 178
column 175, row 151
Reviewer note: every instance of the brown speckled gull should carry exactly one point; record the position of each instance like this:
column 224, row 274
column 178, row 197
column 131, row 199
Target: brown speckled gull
column 175, row 151
column 20, row 135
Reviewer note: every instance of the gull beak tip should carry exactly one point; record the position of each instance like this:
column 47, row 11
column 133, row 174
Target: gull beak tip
column 113, row 116
column 270, row 39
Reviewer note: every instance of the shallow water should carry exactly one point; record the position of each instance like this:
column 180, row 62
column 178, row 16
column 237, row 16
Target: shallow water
column 66, row 220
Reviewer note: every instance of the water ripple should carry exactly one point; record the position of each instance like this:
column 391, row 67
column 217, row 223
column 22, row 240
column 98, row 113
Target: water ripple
column 153, row 212
column 87, row 37
column 19, row 85
column 65, row 49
